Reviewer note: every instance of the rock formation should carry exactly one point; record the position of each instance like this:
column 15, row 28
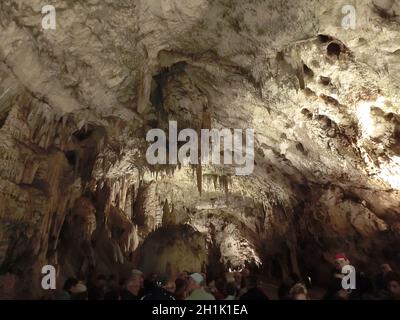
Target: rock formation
column 76, row 103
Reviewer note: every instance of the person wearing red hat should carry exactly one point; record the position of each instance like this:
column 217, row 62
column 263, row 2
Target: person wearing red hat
column 341, row 261
column 335, row 289
column 335, row 285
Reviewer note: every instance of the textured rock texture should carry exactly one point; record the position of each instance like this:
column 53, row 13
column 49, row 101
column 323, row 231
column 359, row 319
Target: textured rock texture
column 76, row 103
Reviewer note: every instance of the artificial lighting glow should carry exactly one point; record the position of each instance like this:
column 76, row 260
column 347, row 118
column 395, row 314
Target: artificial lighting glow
column 363, row 112
column 390, row 172
column 364, row 117
column 387, row 171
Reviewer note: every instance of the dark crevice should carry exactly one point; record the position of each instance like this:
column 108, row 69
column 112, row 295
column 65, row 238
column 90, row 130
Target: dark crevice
column 325, row 80
column 160, row 80
column 83, row 134
column 3, row 117
column 323, row 38
column 334, row 49
column 71, row 157
column 308, row 71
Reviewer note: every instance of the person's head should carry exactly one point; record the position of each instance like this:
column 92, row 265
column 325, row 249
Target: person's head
column 251, row 282
column 69, row 284
column 386, row 268
column 393, row 284
column 184, row 275
column 79, row 292
column 195, row 281
column 298, row 292
column 341, row 260
column 135, row 273
column 134, row 284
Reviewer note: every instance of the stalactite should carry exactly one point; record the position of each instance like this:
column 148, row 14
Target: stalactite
column 215, row 181
column 49, row 127
column 168, row 217
column 193, row 169
column 205, row 124
column 208, row 179
column 224, row 184
column 199, row 178
column 206, row 118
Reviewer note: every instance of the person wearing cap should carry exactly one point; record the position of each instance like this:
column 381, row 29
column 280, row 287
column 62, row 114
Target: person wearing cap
column 133, row 286
column 139, row 274
column 341, row 261
column 335, row 283
column 195, row 287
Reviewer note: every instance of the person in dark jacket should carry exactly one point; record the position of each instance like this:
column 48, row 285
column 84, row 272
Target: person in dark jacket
column 67, row 292
column 253, row 291
column 335, row 288
column 380, row 283
column 393, row 285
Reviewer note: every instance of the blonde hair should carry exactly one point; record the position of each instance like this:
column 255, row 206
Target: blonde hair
column 297, row 289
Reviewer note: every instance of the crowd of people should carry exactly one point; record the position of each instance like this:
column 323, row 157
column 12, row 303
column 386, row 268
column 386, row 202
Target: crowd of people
column 241, row 285
column 384, row 285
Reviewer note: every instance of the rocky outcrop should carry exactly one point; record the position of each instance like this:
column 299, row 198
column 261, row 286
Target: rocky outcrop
column 174, row 249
